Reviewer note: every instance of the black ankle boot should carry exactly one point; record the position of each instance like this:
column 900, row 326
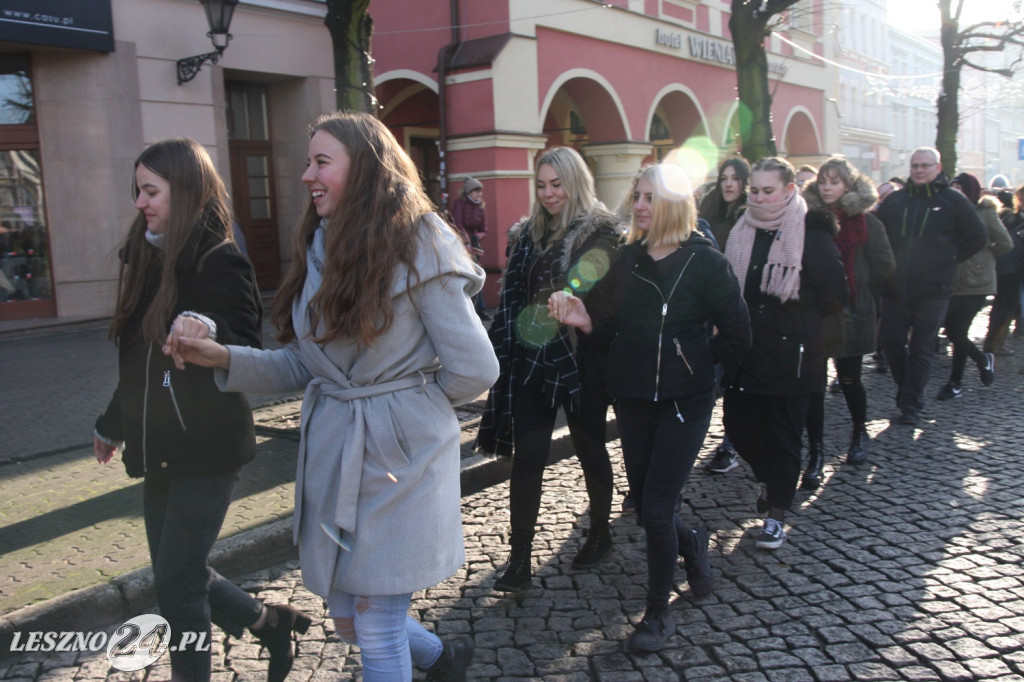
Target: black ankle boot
column 815, row 463
column 276, row 635
column 455, row 658
column 519, row 574
column 860, row 444
column 595, row 549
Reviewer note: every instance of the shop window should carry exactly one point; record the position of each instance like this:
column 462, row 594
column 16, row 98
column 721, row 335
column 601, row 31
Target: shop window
column 661, row 137
column 26, row 282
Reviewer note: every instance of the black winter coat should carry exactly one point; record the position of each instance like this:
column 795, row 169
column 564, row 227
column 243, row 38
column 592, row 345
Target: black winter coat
column 787, row 356
column 656, row 327
column 177, row 422
column 931, row 229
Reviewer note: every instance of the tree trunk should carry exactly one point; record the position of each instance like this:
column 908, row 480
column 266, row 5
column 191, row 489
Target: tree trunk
column 351, row 30
column 755, row 110
column 948, row 104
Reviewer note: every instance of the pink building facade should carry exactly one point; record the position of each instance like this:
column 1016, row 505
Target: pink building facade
column 623, row 82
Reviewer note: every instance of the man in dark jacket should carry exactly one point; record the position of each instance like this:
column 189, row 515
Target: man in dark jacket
column 931, row 228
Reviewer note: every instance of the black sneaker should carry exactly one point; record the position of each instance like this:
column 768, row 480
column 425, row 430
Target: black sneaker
column 949, row 391
column 910, row 417
column 988, row 370
column 698, row 570
column 652, row 631
column 454, row 660
column 595, row 549
column 725, row 459
column 772, row 535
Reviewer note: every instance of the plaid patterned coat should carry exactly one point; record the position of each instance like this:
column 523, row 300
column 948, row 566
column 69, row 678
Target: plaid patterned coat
column 525, row 337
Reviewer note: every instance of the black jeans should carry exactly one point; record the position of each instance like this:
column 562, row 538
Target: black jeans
column 848, row 371
column 659, row 451
column 911, row 360
column 961, row 313
column 533, row 422
column 183, row 516
column 766, row 430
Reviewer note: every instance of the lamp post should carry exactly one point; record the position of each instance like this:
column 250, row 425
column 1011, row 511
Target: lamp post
column 218, row 16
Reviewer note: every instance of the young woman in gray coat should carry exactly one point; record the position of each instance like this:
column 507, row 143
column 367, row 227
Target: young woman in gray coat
column 381, row 332
column 853, row 331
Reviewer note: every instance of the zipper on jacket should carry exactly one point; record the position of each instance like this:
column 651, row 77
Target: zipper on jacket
column 679, row 352
column 800, row 361
column 174, row 400
column 679, row 415
column 145, row 408
column 664, row 313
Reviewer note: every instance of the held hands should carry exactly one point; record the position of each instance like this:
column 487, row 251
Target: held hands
column 103, row 451
column 569, row 309
column 188, row 342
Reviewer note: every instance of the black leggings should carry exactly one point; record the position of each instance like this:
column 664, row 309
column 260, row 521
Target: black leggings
column 848, row 371
column 533, row 424
column 959, row 316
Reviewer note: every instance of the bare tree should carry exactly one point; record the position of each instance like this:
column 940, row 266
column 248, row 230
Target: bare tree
column 351, row 30
column 958, row 46
column 751, row 23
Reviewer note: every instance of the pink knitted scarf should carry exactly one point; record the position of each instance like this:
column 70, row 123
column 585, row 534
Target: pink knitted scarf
column 781, row 277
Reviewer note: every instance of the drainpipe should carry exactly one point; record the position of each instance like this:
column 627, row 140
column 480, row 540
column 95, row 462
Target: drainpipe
column 442, row 96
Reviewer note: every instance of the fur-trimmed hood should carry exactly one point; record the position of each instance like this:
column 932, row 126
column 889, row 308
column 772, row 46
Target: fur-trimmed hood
column 580, row 230
column 858, row 200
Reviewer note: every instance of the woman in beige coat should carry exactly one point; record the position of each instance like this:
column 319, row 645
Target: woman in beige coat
column 381, row 332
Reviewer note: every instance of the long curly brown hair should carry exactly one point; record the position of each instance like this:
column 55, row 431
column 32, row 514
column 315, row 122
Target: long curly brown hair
column 372, row 231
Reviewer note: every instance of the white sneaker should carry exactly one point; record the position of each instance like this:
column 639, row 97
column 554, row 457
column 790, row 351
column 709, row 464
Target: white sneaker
column 772, row 535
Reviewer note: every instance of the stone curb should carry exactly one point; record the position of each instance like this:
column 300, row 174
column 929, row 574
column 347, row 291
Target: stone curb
column 97, row 607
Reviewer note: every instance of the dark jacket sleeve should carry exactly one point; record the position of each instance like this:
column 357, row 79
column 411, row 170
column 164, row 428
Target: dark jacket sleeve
column 970, row 231
column 109, row 424
column 728, row 312
column 881, row 261
column 823, row 271
column 231, row 298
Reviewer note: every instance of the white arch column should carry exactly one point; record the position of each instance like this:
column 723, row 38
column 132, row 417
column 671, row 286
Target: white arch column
column 614, row 164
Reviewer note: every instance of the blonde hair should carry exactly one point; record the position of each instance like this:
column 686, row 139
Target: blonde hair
column 578, row 184
column 673, row 211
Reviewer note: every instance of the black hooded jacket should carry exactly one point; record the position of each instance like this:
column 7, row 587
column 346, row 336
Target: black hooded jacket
column 931, row 229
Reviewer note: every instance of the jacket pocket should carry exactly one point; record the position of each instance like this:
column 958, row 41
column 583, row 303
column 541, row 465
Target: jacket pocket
column 388, row 442
column 681, row 354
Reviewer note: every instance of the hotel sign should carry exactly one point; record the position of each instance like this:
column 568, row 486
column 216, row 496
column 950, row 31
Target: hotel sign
column 722, row 52
column 85, row 25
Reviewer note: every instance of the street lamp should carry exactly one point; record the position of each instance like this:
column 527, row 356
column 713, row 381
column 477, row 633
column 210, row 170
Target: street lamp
column 218, row 16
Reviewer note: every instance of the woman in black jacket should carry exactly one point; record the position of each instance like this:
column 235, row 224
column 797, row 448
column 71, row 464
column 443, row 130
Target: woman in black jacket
column 652, row 311
column 186, row 439
column 791, row 274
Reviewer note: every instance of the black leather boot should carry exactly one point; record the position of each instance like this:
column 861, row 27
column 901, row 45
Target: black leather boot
column 455, row 658
column 815, row 463
column 860, row 444
column 595, row 549
column 276, row 635
column 519, row 574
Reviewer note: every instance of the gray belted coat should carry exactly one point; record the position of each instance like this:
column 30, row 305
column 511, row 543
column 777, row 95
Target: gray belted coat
column 377, row 493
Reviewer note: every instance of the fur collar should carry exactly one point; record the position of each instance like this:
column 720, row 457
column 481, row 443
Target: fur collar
column 858, row 200
column 580, row 230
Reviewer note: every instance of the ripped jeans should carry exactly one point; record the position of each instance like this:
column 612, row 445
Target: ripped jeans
column 389, row 640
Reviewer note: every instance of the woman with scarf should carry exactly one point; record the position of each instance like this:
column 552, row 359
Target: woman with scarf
column 852, row 332
column 653, row 311
column 791, row 274
column 973, row 282
column 184, row 438
column 567, row 243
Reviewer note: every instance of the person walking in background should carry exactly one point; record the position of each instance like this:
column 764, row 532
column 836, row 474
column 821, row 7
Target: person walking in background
column 791, row 274
column 180, row 434
column 381, row 333
column 722, row 207
column 470, row 220
column 931, row 227
column 653, row 309
column 973, row 281
column 852, row 332
column 1006, row 306
column 568, row 241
